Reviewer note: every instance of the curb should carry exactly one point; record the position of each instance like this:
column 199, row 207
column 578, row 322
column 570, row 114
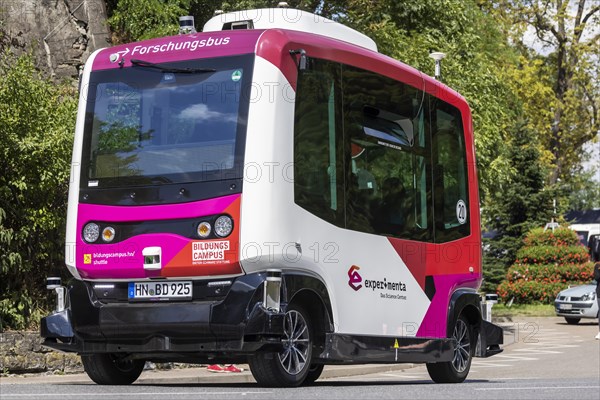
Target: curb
column 202, row 376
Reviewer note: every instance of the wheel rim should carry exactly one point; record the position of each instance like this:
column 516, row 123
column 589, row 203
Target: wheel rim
column 296, row 343
column 462, row 351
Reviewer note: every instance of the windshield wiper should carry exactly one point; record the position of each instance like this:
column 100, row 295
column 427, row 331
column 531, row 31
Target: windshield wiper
column 142, row 63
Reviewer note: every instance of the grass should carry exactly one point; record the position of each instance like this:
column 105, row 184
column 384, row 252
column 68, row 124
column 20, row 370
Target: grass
column 523, row 310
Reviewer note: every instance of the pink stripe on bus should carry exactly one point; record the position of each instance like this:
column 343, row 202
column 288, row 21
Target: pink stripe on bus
column 95, row 212
column 179, row 48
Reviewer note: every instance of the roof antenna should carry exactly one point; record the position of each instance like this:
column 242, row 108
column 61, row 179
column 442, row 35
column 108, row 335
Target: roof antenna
column 438, row 57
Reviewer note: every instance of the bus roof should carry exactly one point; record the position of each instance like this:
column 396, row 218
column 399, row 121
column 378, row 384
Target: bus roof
column 273, row 45
column 289, row 19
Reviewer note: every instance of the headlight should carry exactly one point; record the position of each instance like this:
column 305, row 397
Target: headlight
column 589, row 296
column 223, row 226
column 91, row 232
column 204, row 229
column 108, row 234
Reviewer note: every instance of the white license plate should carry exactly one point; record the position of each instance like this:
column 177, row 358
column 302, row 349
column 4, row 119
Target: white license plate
column 159, row 290
column 565, row 306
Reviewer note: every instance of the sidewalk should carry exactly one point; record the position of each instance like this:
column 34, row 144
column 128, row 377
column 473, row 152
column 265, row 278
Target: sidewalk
column 200, row 375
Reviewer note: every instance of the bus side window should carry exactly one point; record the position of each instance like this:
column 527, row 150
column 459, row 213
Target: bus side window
column 317, row 142
column 388, row 189
column 450, row 173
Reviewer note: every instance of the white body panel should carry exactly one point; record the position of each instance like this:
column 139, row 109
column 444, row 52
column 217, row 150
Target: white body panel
column 73, row 200
column 292, row 19
column 274, row 227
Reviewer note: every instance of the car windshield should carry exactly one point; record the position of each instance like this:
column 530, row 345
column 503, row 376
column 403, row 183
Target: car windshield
column 184, row 122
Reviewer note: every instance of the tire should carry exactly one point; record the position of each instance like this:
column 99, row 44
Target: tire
column 108, row 369
column 456, row 371
column 314, row 372
column 291, row 366
column 572, row 321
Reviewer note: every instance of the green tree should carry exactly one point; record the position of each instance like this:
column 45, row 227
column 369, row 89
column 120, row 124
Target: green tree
column 520, row 202
column 568, row 30
column 37, row 119
column 478, row 57
column 133, row 20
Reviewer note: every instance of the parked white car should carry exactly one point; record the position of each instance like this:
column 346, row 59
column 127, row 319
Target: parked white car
column 577, row 302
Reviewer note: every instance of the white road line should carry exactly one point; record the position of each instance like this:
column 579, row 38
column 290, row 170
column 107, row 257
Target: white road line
column 538, row 388
column 490, row 365
column 537, row 351
column 169, row 394
column 515, row 357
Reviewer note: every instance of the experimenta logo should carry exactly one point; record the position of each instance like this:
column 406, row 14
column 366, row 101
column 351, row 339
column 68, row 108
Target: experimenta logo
column 354, row 278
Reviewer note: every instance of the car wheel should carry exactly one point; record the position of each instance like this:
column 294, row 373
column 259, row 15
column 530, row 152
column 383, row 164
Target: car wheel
column 314, row 373
column 109, row 369
column 572, row 321
column 289, row 367
column 456, row 371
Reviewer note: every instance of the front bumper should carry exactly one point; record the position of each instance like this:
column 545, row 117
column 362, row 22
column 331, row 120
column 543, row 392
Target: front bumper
column 235, row 323
column 579, row 309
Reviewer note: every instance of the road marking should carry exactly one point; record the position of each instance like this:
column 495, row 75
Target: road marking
column 538, row 351
column 170, row 394
column 515, row 357
column 539, row 388
column 488, row 364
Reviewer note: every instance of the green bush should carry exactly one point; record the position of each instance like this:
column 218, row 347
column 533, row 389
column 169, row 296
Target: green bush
column 527, row 292
column 559, row 237
column 551, row 273
column 37, row 120
column 552, row 254
column 547, row 263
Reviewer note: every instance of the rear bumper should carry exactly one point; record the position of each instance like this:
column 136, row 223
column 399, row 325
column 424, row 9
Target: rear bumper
column 235, row 323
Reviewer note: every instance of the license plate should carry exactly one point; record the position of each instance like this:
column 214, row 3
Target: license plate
column 565, row 306
column 159, row 290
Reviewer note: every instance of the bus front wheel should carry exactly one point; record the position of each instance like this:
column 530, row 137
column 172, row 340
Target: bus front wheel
column 456, row 371
column 109, row 369
column 289, row 367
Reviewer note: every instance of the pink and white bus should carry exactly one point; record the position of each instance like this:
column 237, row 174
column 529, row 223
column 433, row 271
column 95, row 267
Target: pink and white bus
column 272, row 191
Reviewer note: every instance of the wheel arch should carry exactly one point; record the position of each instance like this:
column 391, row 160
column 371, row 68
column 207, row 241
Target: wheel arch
column 467, row 302
column 311, row 293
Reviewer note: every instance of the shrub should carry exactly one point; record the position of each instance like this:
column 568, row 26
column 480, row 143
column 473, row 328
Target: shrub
column 37, row 120
column 526, row 292
column 559, row 237
column 552, row 254
column 547, row 263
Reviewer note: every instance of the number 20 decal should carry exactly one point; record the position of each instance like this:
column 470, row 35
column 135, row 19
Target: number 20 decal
column 461, row 212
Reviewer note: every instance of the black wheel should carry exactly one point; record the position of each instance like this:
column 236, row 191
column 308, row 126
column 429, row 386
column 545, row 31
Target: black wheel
column 572, row 321
column 314, row 372
column 108, row 369
column 456, row 371
column 290, row 367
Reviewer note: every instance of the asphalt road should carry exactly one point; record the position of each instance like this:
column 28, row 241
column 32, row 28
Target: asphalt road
column 545, row 359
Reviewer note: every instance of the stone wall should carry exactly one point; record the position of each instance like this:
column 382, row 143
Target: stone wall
column 22, row 352
column 60, row 33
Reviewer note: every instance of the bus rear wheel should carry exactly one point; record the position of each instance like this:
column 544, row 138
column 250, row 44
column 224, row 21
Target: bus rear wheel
column 456, row 371
column 108, row 369
column 289, row 367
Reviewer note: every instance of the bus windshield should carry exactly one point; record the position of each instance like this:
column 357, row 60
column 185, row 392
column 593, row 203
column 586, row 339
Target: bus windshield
column 184, row 122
